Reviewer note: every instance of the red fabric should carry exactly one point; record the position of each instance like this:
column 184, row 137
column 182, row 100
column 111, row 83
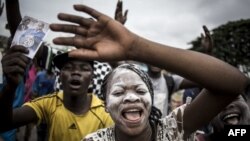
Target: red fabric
column 29, row 81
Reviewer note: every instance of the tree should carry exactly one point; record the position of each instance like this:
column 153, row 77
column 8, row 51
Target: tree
column 231, row 43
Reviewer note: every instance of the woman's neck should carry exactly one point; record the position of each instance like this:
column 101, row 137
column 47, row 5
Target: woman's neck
column 145, row 135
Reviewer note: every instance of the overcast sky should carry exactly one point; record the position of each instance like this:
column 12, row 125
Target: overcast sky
column 172, row 22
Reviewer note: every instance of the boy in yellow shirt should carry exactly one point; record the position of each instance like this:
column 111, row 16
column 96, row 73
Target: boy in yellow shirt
column 70, row 114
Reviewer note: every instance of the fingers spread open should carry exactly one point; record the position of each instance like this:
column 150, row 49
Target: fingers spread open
column 88, row 10
column 75, row 29
column 75, row 19
column 77, row 41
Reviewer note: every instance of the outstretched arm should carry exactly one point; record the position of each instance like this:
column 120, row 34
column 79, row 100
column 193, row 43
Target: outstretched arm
column 207, row 46
column 105, row 39
column 14, row 63
column 13, row 15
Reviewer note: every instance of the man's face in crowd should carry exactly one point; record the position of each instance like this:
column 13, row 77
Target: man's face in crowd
column 154, row 70
column 128, row 101
column 236, row 113
column 76, row 76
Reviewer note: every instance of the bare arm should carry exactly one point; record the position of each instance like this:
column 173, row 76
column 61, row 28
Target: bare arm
column 13, row 15
column 14, row 63
column 107, row 40
column 207, row 46
column 122, row 18
column 185, row 84
column 20, row 117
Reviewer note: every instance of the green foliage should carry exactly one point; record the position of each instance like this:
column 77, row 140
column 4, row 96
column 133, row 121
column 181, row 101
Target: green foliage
column 231, row 43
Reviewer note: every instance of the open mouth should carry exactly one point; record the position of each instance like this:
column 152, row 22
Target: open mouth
column 75, row 83
column 133, row 115
column 231, row 119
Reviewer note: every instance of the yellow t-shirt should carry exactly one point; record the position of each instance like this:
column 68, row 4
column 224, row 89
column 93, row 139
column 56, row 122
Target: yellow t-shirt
column 64, row 125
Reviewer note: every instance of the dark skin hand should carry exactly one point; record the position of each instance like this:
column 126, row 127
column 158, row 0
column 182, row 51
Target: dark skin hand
column 1, row 7
column 13, row 15
column 88, row 37
column 105, row 39
column 206, row 41
column 14, row 63
column 119, row 16
column 122, row 18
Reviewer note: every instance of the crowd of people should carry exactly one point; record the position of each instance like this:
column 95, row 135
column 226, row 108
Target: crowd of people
column 124, row 102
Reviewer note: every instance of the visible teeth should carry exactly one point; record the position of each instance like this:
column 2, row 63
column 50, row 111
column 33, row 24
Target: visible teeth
column 133, row 110
column 132, row 114
column 231, row 119
column 230, row 116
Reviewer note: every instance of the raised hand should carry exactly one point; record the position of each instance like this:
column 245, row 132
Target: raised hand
column 118, row 13
column 206, row 41
column 1, row 7
column 101, row 38
column 13, row 14
column 14, row 63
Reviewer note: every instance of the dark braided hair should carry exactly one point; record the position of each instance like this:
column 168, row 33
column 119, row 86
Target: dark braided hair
column 155, row 113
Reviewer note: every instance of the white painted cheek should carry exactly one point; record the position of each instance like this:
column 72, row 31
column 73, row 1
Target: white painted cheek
column 112, row 106
column 147, row 99
column 113, row 101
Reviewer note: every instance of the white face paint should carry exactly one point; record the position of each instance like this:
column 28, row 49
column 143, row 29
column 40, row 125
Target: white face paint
column 128, row 101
